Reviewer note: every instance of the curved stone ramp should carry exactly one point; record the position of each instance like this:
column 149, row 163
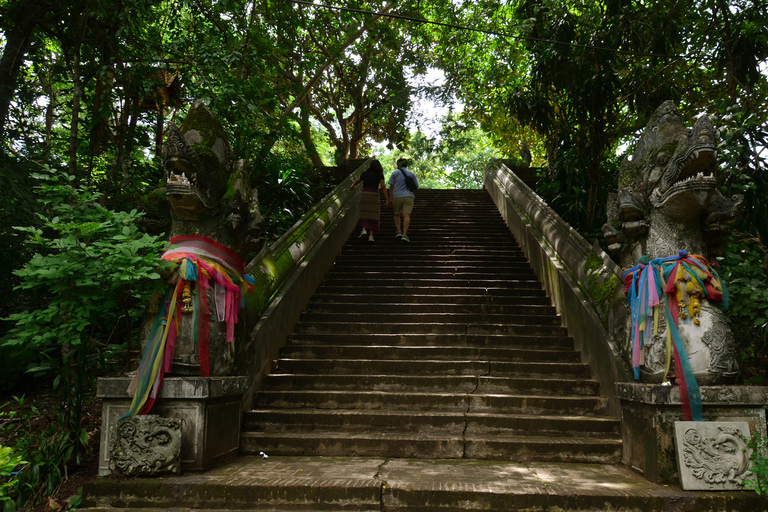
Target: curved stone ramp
column 388, row 485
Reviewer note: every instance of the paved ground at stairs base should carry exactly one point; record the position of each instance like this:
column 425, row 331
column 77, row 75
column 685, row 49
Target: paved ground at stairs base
column 327, row 483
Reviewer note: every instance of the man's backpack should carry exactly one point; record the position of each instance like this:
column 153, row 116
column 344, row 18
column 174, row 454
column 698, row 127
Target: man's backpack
column 410, row 183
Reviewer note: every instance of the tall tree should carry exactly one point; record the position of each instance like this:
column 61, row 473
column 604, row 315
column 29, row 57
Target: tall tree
column 18, row 21
column 348, row 70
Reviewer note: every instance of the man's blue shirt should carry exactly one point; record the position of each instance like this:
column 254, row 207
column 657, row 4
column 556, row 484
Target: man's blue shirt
column 398, row 180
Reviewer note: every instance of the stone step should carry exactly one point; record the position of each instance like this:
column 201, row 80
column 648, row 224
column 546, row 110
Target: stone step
column 383, row 318
column 525, row 298
column 374, row 289
column 429, row 281
column 429, row 328
column 503, row 251
column 393, row 400
column 375, row 255
column 538, row 342
column 368, row 484
column 430, row 367
column 428, row 446
column 478, row 308
column 428, row 422
column 422, row 353
column 483, row 384
column 368, row 275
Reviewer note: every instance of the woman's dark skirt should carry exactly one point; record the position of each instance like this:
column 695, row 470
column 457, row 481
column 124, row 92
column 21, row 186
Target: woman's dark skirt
column 370, row 214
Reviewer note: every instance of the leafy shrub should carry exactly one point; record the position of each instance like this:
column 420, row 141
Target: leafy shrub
column 9, row 461
column 744, row 272
column 288, row 188
column 84, row 289
column 759, row 446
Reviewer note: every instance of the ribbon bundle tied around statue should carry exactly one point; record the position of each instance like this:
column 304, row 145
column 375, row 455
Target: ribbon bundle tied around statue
column 684, row 279
column 201, row 262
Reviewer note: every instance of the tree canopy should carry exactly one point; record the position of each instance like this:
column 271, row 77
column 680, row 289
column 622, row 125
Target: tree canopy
column 89, row 89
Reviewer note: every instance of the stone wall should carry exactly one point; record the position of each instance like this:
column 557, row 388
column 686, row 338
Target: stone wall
column 290, row 270
column 584, row 284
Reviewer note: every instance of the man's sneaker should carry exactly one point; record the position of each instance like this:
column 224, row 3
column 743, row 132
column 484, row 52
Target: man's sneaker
column 405, row 239
column 398, row 235
column 362, row 234
column 370, row 237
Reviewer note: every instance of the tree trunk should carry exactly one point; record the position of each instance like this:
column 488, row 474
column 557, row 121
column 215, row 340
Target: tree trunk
column 272, row 138
column 730, row 73
column 159, row 131
column 77, row 95
column 306, row 137
column 594, row 188
column 18, row 37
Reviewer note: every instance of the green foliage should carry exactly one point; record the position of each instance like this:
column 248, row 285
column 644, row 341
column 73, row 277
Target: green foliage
column 89, row 261
column 17, row 207
column 42, row 449
column 744, row 271
column 743, row 135
column 84, row 289
column 9, row 461
column 288, row 187
column 759, row 458
column 454, row 159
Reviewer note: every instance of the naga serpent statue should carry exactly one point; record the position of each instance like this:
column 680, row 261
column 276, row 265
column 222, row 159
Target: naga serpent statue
column 665, row 221
column 215, row 225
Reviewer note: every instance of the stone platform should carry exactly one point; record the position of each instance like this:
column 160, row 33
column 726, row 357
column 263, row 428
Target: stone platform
column 379, row 484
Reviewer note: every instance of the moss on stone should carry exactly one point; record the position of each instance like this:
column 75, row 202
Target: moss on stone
column 601, row 285
column 272, row 272
column 203, row 121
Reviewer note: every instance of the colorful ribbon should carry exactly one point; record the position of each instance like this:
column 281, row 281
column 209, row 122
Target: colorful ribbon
column 684, row 279
column 200, row 261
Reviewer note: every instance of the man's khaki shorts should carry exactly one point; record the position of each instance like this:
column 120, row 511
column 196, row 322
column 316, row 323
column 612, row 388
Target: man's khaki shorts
column 403, row 205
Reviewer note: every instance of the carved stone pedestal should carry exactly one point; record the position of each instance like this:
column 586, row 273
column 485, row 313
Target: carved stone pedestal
column 649, row 413
column 209, row 408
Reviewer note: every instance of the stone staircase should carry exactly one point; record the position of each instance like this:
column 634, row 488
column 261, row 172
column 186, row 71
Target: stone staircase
column 430, row 376
column 442, row 348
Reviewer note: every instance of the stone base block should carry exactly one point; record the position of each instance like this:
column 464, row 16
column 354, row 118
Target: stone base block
column 649, row 413
column 209, row 408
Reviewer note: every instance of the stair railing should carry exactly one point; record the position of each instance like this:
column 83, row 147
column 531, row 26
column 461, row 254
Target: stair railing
column 288, row 272
column 584, row 284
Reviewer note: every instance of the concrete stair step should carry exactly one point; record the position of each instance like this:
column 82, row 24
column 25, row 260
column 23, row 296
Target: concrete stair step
column 478, row 308
column 368, row 484
column 426, row 446
column 428, row 422
column 538, row 342
column 399, row 274
column 430, row 367
column 422, row 353
column 327, row 485
column 429, row 328
column 507, row 249
column 424, row 259
column 394, row 400
column 483, row 384
column 525, row 298
column 414, row 288
column 426, row 280
column 404, row 317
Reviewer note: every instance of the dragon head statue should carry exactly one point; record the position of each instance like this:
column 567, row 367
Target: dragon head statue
column 668, row 187
column 198, row 164
column 678, row 165
column 207, row 191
